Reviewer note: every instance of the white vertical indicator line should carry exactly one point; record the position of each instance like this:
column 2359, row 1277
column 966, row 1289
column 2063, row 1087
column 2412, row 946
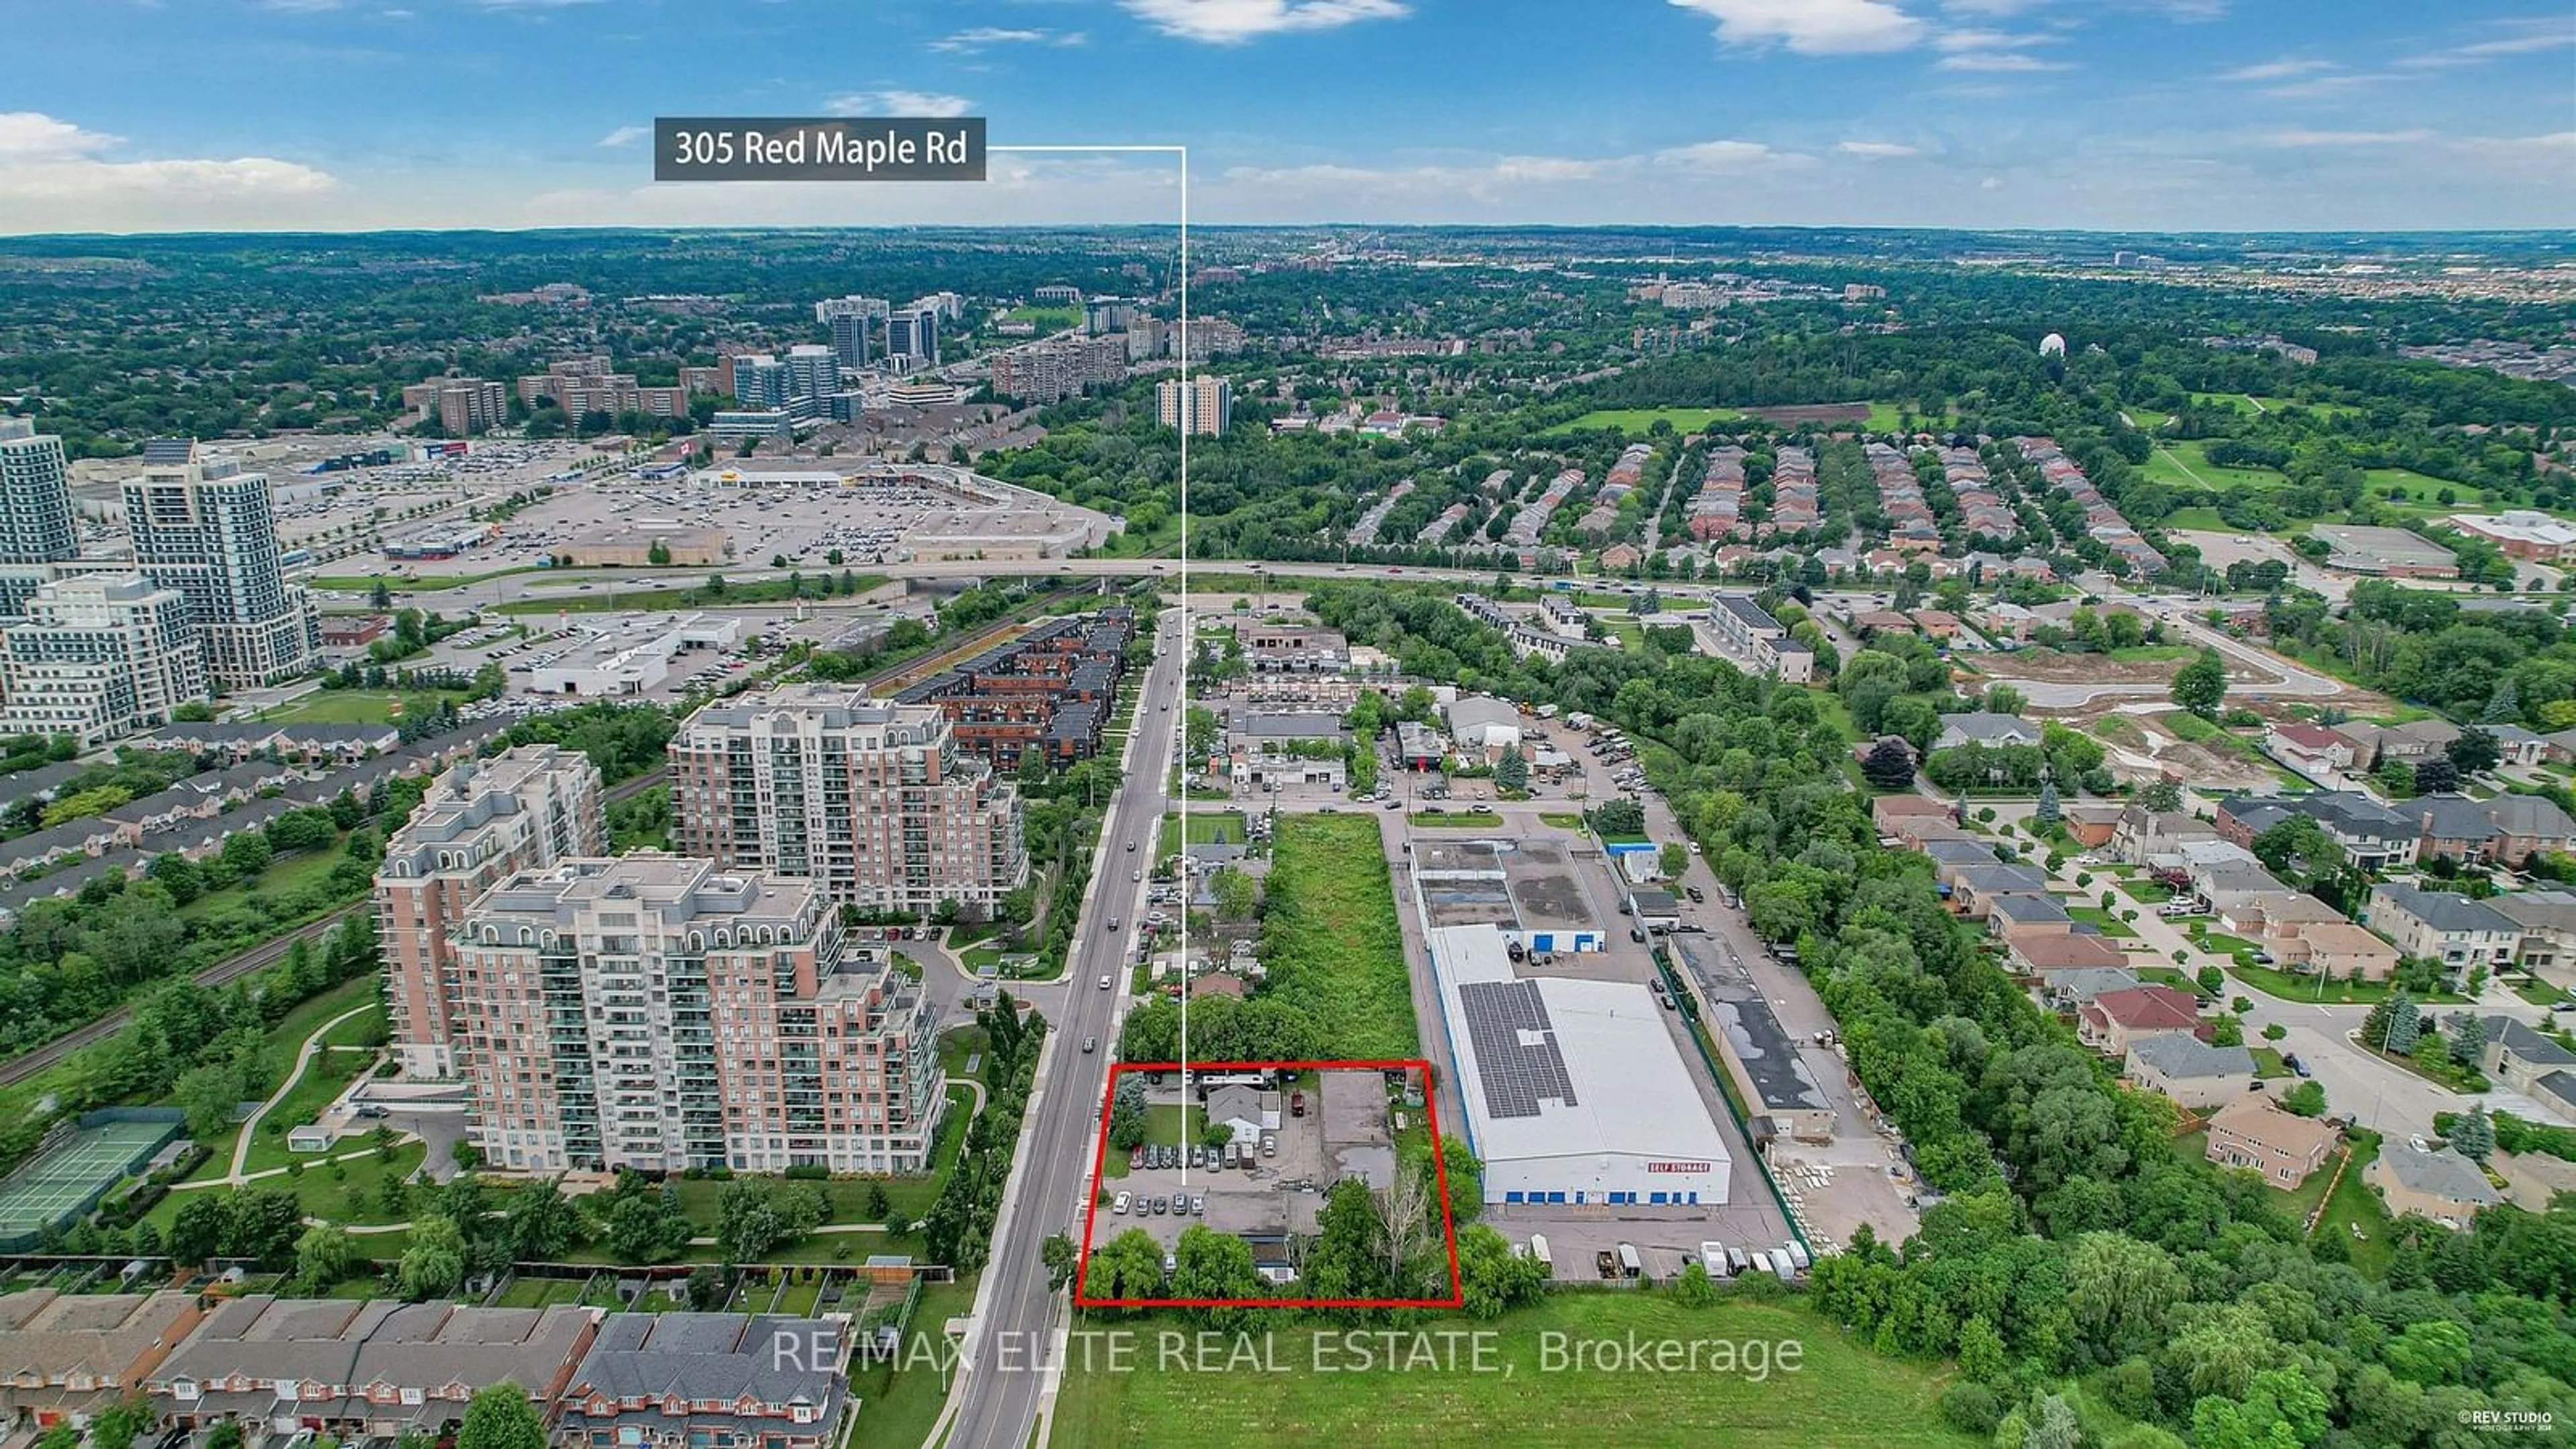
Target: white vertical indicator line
column 1189, row 630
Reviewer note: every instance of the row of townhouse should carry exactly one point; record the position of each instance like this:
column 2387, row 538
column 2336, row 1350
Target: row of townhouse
column 1625, row 477
column 1910, row 526
column 1526, row 640
column 1365, row 531
column 1795, row 500
column 2104, row 522
column 1530, row 523
column 1717, row 510
column 1982, row 510
column 1047, row 691
column 287, row 1369
column 196, row 815
column 1437, row 530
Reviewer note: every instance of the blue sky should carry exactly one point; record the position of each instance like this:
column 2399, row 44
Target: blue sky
column 2151, row 114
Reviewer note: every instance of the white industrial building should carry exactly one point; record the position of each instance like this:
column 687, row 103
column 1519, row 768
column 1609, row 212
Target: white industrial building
column 633, row 656
column 1575, row 1092
column 1484, row 726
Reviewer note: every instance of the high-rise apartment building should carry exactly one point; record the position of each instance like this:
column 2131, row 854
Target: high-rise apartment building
column 812, row 371
column 912, row 333
column 463, row 406
column 871, row 799
column 205, row 528
column 36, row 529
column 654, row 1012
column 1104, row 315
column 586, row 385
column 1203, row 404
column 483, row 822
column 98, row 656
column 759, row 381
column 1058, row 368
column 854, row 320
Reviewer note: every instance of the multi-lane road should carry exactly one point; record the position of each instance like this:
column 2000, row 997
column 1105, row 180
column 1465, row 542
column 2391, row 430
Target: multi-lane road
column 1011, row 1359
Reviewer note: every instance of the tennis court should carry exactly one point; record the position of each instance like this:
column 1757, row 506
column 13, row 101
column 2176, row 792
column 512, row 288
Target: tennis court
column 68, row 1178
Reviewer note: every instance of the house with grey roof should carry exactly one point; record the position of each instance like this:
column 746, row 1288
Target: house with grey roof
column 91, row 835
column 2079, row 986
column 2442, row 925
column 2012, row 913
column 2190, row 1072
column 2508, row 828
column 1985, row 729
column 2442, row 1186
column 1974, row 888
column 2517, row 746
column 2548, row 922
column 2519, row 1056
column 709, row 1381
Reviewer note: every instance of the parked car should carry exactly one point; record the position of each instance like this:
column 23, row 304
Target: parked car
column 1119, row 1205
column 1136, row 1159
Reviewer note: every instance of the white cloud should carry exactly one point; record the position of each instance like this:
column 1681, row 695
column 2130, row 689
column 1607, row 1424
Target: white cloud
column 1812, row 27
column 32, row 136
column 2004, row 61
column 1232, row 22
column 2272, row 70
column 625, row 135
column 1956, row 40
column 897, row 102
column 2530, row 36
column 2300, row 136
column 61, row 165
column 1727, row 156
column 2327, row 86
column 2553, row 146
column 2521, row 44
column 1878, row 150
column 984, row 37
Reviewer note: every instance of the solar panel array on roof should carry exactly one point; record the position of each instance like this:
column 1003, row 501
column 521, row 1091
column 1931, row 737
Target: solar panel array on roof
column 1516, row 1075
column 168, row 450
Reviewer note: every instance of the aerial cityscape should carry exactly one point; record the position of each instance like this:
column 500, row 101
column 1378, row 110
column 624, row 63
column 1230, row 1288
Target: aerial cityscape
column 1867, row 739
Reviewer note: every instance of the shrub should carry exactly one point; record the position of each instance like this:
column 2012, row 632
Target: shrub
column 1971, row 1408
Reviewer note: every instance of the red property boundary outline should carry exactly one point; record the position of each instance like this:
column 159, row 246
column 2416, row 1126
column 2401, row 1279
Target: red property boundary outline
column 1100, row 1160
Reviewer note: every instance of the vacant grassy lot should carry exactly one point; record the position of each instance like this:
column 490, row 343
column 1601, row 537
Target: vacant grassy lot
column 360, row 706
column 1207, row 827
column 1839, row 1395
column 1638, row 420
column 1330, row 939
